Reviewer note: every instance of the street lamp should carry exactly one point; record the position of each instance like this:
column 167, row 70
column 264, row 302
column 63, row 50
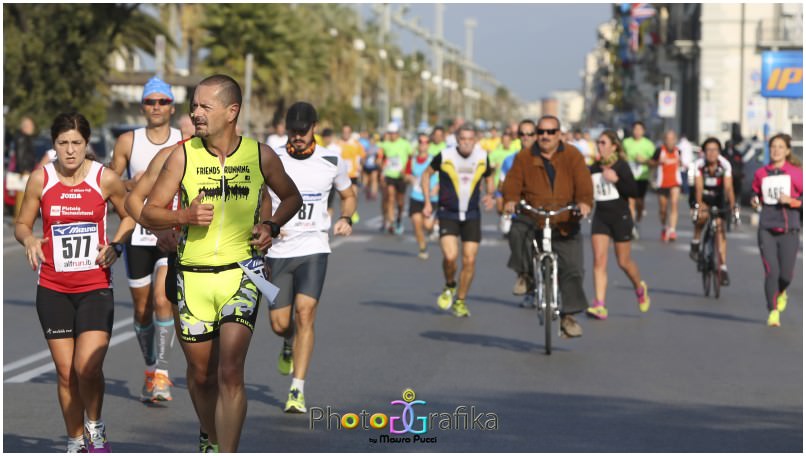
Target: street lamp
column 359, row 46
column 333, row 32
column 425, row 76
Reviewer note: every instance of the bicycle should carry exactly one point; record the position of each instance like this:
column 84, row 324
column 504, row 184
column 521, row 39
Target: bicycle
column 709, row 262
column 544, row 271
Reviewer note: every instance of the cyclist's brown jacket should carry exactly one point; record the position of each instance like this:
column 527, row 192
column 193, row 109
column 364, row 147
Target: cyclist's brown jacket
column 528, row 179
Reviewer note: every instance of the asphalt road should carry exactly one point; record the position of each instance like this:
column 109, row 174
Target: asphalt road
column 693, row 374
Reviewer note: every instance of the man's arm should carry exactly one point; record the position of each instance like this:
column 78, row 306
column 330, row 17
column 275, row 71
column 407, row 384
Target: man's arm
column 699, row 187
column 281, row 184
column 156, row 216
column 121, row 156
column 729, row 191
column 137, row 196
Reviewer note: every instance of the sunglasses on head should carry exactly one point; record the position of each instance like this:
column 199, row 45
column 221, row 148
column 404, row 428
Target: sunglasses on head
column 549, row 131
column 157, row 101
column 524, row 133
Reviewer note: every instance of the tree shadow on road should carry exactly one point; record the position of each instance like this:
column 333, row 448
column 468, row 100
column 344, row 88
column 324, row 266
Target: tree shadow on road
column 485, row 340
column 405, row 306
column 713, row 315
column 26, row 444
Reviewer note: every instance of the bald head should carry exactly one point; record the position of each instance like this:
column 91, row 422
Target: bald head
column 229, row 92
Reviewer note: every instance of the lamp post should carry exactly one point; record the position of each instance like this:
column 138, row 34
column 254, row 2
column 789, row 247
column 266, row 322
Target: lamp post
column 425, row 76
column 383, row 114
column 359, row 46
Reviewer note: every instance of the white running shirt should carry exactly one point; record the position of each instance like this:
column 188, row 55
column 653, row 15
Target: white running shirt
column 143, row 150
column 307, row 232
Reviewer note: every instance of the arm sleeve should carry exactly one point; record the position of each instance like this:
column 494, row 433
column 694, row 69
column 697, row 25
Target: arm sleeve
column 626, row 185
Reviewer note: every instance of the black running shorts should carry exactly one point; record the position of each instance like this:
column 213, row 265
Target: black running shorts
column 67, row 315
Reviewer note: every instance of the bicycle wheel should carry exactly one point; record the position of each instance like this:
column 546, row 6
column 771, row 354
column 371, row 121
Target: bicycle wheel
column 706, row 266
column 548, row 295
column 537, row 290
column 716, row 274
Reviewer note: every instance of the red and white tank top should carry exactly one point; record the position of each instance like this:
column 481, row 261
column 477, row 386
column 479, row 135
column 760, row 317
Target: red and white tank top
column 668, row 174
column 74, row 218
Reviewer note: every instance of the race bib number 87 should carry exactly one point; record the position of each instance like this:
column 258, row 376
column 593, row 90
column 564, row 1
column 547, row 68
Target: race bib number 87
column 75, row 246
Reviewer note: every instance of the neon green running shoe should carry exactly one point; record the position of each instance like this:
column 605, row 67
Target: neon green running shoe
column 445, row 300
column 295, row 402
column 782, row 298
column 642, row 294
column 204, row 444
column 774, row 320
column 460, row 309
column 285, row 362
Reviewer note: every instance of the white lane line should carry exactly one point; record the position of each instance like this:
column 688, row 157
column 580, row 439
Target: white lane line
column 37, row 371
column 46, row 353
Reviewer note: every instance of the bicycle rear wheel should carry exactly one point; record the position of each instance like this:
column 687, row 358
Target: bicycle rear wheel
column 548, row 298
column 707, row 255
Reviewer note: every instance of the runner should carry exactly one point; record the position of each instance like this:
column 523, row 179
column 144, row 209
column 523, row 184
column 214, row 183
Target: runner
column 461, row 170
column 221, row 177
column 497, row 157
column 639, row 150
column 74, row 296
column 354, row 155
column 778, row 189
column 667, row 162
column 414, row 172
column 613, row 184
column 713, row 182
column 370, row 175
column 153, row 319
column 437, row 144
column 299, row 256
column 396, row 152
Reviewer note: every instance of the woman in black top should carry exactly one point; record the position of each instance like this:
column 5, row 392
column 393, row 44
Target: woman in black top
column 613, row 185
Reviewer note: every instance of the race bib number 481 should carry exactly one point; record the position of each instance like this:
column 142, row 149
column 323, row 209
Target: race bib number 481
column 75, row 246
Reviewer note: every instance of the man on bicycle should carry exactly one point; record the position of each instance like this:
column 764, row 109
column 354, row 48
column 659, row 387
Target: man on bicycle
column 713, row 182
column 550, row 175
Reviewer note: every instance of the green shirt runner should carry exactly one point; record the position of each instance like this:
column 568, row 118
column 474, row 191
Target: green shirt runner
column 396, row 154
column 642, row 148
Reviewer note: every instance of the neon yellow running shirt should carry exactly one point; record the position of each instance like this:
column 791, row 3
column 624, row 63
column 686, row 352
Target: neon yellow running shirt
column 235, row 196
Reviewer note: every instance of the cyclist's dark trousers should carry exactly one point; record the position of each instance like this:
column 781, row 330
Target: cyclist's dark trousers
column 520, row 244
column 779, row 251
column 571, row 271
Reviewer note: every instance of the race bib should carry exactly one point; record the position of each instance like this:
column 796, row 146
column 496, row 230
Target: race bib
column 311, row 216
column 370, row 161
column 143, row 237
column 394, row 164
column 253, row 268
column 75, row 246
column 711, row 181
column 636, row 168
column 602, row 189
column 772, row 187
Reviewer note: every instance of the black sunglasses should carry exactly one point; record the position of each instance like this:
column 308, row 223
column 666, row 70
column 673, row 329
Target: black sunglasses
column 550, row 131
column 531, row 133
column 159, row 101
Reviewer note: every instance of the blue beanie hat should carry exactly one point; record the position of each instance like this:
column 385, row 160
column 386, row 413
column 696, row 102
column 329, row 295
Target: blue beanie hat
column 157, row 85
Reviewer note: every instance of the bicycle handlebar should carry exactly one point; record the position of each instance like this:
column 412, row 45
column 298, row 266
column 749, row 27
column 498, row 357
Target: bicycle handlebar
column 544, row 213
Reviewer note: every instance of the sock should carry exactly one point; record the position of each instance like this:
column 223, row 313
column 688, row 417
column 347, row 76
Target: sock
column 145, row 336
column 639, row 291
column 298, row 384
column 165, row 333
column 724, row 267
column 695, row 242
column 597, row 303
column 94, row 425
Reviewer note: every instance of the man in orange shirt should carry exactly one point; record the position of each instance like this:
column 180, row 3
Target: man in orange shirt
column 354, row 155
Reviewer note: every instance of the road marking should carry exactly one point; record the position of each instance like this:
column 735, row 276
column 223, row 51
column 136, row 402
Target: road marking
column 46, row 353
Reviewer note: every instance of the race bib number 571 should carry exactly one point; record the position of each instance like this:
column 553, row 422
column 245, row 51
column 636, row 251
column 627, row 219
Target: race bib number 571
column 75, row 246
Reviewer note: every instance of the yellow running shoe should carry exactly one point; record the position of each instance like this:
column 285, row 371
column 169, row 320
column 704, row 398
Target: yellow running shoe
column 285, row 362
column 774, row 320
column 460, row 309
column 782, row 301
column 597, row 311
column 642, row 294
column 295, row 402
column 445, row 300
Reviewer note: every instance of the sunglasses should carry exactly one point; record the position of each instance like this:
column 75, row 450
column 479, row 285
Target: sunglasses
column 550, row 131
column 157, row 101
column 531, row 133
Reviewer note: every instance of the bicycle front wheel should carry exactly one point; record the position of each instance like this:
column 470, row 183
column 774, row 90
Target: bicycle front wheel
column 548, row 299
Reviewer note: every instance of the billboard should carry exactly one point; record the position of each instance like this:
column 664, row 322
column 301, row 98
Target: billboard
column 782, row 74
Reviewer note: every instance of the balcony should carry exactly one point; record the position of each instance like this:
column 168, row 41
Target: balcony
column 781, row 34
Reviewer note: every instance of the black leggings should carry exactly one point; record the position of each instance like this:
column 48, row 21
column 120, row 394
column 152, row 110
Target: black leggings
column 779, row 251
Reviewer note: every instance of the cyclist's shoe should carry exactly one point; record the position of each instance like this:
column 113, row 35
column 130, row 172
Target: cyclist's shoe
column 781, row 301
column 204, row 444
column 285, row 362
column 597, row 310
column 147, row 393
column 355, row 218
column 570, row 327
column 295, row 402
column 774, row 320
column 162, row 387
column 460, row 308
column 642, row 293
column 672, row 235
column 96, row 439
column 725, row 279
column 521, row 285
column 445, row 300
column 422, row 254
column 694, row 252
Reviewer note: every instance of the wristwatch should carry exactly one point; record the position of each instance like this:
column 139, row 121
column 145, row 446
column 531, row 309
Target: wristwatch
column 275, row 228
column 118, row 248
column 349, row 220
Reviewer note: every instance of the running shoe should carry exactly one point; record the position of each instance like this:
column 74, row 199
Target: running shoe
column 774, row 320
column 642, row 293
column 726, row 279
column 446, row 298
column 204, row 444
column 147, row 394
column 285, row 362
column 295, row 402
column 355, row 218
column 162, row 387
column 460, row 309
column 423, row 254
column 781, row 301
column 663, row 236
column 76, row 447
column 96, row 439
column 399, row 229
column 597, row 310
column 672, row 236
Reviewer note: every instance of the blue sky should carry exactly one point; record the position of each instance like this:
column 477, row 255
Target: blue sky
column 532, row 49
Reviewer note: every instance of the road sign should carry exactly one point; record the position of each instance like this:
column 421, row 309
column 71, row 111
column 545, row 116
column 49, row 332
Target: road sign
column 782, row 74
column 667, row 103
